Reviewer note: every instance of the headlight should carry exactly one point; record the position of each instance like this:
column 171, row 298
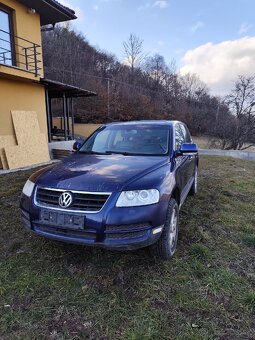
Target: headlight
column 137, row 198
column 28, row 188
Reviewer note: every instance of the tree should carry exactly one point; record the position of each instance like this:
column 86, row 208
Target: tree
column 241, row 102
column 133, row 49
column 155, row 91
column 193, row 88
column 156, row 68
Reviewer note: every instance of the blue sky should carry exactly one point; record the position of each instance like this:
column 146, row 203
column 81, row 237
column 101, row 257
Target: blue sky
column 177, row 29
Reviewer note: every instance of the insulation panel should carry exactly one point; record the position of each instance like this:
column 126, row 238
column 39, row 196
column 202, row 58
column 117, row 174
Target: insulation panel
column 26, row 126
column 7, row 140
column 32, row 145
column 19, row 156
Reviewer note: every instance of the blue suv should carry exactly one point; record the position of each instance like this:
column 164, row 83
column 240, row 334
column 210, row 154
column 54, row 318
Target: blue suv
column 121, row 189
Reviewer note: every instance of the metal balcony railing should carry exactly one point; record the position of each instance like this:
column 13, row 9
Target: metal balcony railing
column 20, row 53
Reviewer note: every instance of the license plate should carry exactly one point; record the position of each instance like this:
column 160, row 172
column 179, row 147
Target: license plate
column 61, row 219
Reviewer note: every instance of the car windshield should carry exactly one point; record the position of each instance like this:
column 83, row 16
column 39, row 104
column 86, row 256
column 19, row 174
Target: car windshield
column 129, row 140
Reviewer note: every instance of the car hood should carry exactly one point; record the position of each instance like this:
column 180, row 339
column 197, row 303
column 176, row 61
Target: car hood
column 99, row 173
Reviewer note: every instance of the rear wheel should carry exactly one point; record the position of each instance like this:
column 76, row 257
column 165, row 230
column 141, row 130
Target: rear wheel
column 193, row 189
column 165, row 247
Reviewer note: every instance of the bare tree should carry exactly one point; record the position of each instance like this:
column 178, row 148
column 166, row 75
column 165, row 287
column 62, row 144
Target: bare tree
column 192, row 86
column 156, row 68
column 133, row 49
column 241, row 102
column 155, row 93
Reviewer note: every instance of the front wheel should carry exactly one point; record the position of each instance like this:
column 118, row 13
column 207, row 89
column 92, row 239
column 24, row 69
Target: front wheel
column 165, row 247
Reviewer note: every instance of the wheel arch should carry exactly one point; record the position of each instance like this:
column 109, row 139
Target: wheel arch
column 176, row 195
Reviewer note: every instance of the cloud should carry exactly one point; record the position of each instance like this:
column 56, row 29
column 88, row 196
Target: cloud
column 97, row 6
column 218, row 65
column 161, row 43
column 150, row 4
column 145, row 6
column 196, row 27
column 179, row 51
column 78, row 11
column 244, row 28
column 66, row 3
column 161, row 4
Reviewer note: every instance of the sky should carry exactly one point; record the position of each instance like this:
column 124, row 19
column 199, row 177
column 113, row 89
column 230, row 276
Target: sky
column 214, row 39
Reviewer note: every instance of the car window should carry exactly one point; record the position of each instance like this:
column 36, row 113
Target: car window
column 179, row 136
column 187, row 137
column 102, row 140
column 140, row 139
column 117, row 138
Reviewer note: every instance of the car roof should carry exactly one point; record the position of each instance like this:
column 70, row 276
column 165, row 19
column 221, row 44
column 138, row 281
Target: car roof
column 146, row 122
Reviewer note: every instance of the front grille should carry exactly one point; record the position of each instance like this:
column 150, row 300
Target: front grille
column 81, row 201
column 130, row 235
column 66, row 232
column 126, row 231
column 126, row 227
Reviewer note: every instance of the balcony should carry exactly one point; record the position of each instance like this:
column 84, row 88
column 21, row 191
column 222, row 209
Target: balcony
column 20, row 53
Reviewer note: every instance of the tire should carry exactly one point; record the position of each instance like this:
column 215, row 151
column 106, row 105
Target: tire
column 193, row 189
column 165, row 247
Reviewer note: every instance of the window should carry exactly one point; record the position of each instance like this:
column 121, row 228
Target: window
column 179, row 136
column 186, row 134
column 102, row 140
column 6, row 56
column 140, row 139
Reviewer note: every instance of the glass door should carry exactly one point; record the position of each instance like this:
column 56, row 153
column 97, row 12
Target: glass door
column 6, row 56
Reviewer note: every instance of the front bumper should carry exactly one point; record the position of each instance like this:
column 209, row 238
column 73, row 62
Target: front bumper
column 112, row 228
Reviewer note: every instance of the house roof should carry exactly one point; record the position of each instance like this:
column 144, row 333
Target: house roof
column 51, row 11
column 57, row 89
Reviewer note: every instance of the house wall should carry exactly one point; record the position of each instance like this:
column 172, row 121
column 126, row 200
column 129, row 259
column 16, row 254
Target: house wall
column 84, row 130
column 26, row 26
column 21, row 96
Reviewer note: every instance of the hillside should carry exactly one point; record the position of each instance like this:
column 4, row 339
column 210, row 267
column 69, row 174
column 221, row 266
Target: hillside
column 152, row 90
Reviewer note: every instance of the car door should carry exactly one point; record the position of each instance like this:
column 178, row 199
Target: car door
column 181, row 161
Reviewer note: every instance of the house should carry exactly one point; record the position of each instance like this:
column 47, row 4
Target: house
column 26, row 122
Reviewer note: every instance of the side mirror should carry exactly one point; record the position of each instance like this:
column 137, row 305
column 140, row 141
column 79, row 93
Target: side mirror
column 188, row 149
column 76, row 146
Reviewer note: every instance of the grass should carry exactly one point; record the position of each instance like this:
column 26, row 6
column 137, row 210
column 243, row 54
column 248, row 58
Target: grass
column 249, row 240
column 199, row 251
column 249, row 301
column 50, row 290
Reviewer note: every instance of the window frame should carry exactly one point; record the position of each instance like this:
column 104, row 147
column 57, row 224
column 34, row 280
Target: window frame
column 9, row 11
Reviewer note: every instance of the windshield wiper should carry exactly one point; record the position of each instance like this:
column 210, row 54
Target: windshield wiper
column 125, row 153
column 92, row 152
column 104, row 153
column 109, row 152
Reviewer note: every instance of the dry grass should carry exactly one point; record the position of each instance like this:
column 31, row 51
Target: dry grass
column 208, row 143
column 50, row 290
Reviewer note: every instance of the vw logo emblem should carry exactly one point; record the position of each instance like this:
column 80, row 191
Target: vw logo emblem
column 65, row 200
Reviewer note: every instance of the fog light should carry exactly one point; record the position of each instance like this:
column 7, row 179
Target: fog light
column 157, row 230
